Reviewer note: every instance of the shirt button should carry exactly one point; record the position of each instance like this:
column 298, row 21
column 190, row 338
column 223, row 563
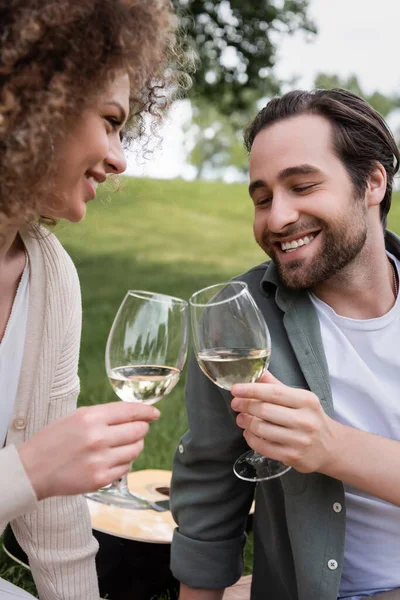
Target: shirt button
column 20, row 423
column 180, row 448
column 337, row 507
column 332, row 564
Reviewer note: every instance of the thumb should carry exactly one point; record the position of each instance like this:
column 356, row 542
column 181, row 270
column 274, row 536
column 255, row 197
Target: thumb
column 269, row 378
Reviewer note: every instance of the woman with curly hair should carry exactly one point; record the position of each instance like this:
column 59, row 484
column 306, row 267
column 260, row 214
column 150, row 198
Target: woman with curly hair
column 75, row 77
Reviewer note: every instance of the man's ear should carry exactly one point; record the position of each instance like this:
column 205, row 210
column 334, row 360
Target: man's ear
column 376, row 185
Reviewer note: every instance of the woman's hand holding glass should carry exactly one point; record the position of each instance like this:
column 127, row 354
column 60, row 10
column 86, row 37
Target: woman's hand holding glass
column 85, row 449
column 145, row 354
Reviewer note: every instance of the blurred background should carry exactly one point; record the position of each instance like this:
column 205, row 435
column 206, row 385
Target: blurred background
column 250, row 51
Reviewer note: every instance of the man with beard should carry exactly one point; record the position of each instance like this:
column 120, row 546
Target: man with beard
column 321, row 170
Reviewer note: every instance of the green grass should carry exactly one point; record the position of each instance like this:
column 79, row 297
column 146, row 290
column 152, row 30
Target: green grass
column 166, row 236
column 173, row 237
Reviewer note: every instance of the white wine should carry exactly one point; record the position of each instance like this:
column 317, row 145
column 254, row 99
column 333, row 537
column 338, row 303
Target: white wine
column 143, row 383
column 226, row 366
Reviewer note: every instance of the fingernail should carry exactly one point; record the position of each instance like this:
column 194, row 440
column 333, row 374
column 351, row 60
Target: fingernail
column 239, row 419
column 156, row 413
column 235, row 403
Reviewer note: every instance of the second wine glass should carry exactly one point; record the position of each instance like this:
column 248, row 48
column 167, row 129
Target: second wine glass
column 232, row 345
column 145, row 354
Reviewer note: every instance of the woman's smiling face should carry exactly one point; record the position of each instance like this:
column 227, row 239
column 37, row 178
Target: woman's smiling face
column 90, row 150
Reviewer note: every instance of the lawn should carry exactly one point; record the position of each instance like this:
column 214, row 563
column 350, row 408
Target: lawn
column 173, row 237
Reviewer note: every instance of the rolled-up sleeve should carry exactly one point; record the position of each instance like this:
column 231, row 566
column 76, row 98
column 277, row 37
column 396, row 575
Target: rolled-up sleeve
column 209, row 503
column 17, row 493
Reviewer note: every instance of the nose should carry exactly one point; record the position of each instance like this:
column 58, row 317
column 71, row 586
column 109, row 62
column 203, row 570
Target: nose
column 115, row 160
column 282, row 213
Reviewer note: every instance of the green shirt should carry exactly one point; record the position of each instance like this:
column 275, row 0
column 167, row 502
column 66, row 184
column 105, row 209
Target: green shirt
column 299, row 520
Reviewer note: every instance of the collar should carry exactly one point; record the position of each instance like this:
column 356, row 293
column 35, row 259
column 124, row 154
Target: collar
column 270, row 283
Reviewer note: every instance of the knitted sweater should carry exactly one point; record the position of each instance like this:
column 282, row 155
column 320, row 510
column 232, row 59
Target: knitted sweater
column 55, row 533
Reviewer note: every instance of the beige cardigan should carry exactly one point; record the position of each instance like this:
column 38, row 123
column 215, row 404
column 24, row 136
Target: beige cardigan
column 55, row 533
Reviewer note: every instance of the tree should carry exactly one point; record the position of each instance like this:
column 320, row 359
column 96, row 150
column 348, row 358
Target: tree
column 218, row 142
column 383, row 104
column 236, row 41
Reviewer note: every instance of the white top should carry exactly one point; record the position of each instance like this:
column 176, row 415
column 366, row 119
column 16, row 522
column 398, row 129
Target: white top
column 8, row 591
column 364, row 367
column 11, row 351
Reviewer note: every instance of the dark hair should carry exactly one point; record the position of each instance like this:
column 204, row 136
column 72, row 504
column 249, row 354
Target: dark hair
column 361, row 138
column 55, row 56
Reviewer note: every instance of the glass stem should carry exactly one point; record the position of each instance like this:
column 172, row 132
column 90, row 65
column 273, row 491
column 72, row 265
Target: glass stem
column 255, row 458
column 122, row 486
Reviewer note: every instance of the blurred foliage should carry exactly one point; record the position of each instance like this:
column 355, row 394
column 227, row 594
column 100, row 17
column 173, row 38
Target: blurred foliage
column 381, row 103
column 236, row 42
column 219, row 138
column 218, row 142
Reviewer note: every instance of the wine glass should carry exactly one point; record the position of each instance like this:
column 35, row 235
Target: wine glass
column 145, row 354
column 232, row 345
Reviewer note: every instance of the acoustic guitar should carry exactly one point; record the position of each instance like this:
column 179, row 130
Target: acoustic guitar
column 149, row 525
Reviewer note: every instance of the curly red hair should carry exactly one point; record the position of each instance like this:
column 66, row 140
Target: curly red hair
column 55, row 55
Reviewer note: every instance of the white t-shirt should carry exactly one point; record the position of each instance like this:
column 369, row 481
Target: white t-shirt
column 364, row 366
column 11, row 351
column 8, row 591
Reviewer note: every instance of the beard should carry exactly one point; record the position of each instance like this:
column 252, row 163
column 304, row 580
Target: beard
column 343, row 239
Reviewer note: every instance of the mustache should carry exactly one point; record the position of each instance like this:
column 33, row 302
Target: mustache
column 293, row 230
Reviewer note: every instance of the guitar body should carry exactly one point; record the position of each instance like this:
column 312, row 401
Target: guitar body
column 134, row 545
column 139, row 525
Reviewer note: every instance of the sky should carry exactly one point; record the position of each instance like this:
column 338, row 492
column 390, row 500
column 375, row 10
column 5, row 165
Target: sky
column 354, row 37
column 358, row 37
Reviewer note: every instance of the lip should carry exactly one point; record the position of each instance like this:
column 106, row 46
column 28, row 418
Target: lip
column 297, row 253
column 97, row 175
column 296, row 237
column 91, row 189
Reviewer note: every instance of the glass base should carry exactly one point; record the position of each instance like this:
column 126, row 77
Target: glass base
column 252, row 466
column 112, row 496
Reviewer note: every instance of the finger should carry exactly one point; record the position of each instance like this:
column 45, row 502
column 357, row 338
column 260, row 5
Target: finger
column 109, row 476
column 266, row 448
column 269, row 378
column 242, row 389
column 122, row 412
column 109, row 466
column 126, row 433
column 272, row 433
column 124, row 454
column 118, row 472
column 270, row 413
column 279, row 394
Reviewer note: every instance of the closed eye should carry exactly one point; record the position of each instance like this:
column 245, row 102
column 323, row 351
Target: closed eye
column 115, row 124
column 263, row 201
column 303, row 188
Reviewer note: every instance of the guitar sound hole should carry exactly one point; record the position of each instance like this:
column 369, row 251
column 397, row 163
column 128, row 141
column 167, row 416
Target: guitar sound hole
column 164, row 490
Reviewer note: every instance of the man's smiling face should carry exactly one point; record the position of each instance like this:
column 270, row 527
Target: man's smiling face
column 307, row 218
